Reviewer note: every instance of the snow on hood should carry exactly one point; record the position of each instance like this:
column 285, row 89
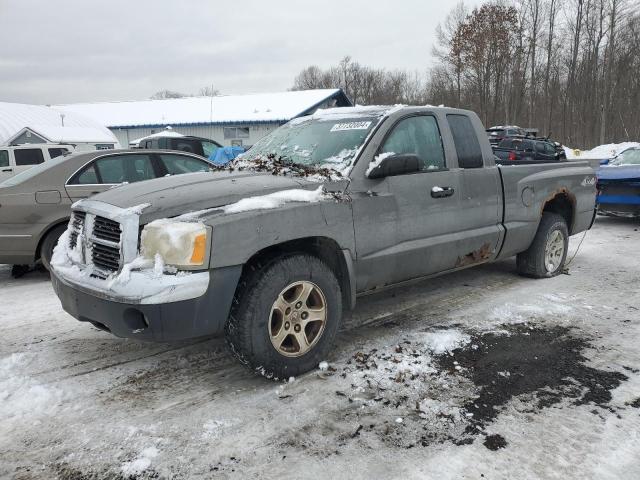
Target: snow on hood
column 176, row 195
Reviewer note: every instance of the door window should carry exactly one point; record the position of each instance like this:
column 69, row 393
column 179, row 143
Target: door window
column 209, row 148
column 419, row 136
column 125, row 168
column 177, row 164
column 116, row 169
column 87, row 177
column 4, row 158
column 28, row 156
column 187, row 145
column 549, row 149
column 466, row 142
column 57, row 152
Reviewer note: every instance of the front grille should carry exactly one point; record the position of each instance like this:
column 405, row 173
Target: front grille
column 106, row 229
column 77, row 224
column 105, row 257
column 101, row 242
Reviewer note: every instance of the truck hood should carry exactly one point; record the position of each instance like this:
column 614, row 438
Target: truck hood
column 171, row 196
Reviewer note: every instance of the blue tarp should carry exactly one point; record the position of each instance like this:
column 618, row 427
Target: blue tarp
column 224, row 155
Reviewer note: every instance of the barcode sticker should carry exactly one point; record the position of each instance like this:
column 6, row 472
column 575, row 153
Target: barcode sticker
column 340, row 127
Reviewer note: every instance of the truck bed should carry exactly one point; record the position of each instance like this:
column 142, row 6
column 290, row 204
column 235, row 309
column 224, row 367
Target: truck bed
column 528, row 187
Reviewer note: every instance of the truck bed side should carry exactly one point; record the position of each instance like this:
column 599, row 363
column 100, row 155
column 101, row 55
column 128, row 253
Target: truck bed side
column 528, row 190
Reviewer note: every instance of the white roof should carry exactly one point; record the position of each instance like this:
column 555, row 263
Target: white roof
column 47, row 122
column 259, row 107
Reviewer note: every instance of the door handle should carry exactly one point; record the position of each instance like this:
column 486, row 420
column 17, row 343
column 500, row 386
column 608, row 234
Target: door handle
column 442, row 192
column 7, row 169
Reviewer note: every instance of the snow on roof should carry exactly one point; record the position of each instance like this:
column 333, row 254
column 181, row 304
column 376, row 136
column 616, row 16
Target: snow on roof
column 340, row 113
column 165, row 133
column 47, row 122
column 260, row 107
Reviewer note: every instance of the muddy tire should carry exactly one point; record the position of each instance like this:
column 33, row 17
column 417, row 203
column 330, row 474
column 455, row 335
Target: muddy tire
column 285, row 316
column 547, row 254
column 48, row 244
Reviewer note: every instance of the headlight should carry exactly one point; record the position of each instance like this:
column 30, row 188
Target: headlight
column 181, row 244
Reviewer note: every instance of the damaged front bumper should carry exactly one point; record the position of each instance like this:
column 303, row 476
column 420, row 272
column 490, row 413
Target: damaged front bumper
column 176, row 308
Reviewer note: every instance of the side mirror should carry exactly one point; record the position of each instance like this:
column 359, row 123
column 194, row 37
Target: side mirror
column 393, row 165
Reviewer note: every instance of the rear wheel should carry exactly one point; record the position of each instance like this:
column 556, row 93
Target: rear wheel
column 49, row 243
column 548, row 252
column 285, row 316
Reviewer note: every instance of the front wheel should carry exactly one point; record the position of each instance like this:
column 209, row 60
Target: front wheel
column 285, row 316
column 49, row 243
column 548, row 252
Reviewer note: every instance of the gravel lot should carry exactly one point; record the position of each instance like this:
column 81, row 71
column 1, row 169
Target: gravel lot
column 477, row 374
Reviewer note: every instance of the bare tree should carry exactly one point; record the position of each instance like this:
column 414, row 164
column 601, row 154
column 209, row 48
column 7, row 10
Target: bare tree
column 164, row 94
column 208, row 91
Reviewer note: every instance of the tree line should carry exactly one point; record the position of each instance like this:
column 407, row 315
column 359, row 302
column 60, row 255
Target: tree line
column 570, row 68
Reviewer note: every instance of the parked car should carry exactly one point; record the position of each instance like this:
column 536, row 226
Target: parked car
column 319, row 211
column 524, row 150
column 497, row 134
column 35, row 204
column 174, row 141
column 610, row 155
column 619, row 185
column 16, row 159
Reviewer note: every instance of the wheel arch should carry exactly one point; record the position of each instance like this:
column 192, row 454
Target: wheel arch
column 339, row 260
column 46, row 232
column 563, row 203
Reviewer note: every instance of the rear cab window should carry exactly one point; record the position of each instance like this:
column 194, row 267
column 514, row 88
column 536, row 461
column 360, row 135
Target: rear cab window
column 465, row 141
column 28, row 156
column 4, row 158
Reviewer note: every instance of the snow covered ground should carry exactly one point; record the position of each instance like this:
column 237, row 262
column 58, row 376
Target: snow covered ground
column 477, row 374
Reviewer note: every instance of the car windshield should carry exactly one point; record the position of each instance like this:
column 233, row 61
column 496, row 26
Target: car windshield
column 628, row 157
column 314, row 143
column 33, row 171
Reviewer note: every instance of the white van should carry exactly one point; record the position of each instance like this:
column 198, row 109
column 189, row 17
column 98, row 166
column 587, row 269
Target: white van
column 14, row 160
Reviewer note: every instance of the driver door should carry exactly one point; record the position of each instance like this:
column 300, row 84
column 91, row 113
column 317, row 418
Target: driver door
column 406, row 228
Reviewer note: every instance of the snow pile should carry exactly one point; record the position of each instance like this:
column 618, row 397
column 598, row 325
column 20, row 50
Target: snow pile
column 601, row 152
column 276, row 200
column 510, row 313
column 215, row 428
column 20, row 395
column 444, row 341
column 141, row 463
column 377, row 161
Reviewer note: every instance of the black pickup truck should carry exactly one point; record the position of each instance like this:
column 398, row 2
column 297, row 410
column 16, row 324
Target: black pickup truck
column 528, row 150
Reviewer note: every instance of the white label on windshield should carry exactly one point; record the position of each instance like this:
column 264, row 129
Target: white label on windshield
column 340, row 127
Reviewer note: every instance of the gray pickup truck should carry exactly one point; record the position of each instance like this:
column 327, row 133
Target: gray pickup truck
column 274, row 249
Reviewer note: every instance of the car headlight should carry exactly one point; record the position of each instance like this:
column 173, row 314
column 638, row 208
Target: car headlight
column 181, row 244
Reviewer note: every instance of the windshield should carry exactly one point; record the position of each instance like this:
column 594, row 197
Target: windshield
column 33, row 171
column 317, row 144
column 628, row 157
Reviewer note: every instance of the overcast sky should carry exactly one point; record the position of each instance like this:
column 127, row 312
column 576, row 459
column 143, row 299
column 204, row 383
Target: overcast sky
column 68, row 51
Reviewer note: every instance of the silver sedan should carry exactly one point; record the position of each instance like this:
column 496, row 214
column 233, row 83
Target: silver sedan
column 35, row 205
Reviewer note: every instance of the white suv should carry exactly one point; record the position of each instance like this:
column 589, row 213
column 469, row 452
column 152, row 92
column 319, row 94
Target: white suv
column 14, row 160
